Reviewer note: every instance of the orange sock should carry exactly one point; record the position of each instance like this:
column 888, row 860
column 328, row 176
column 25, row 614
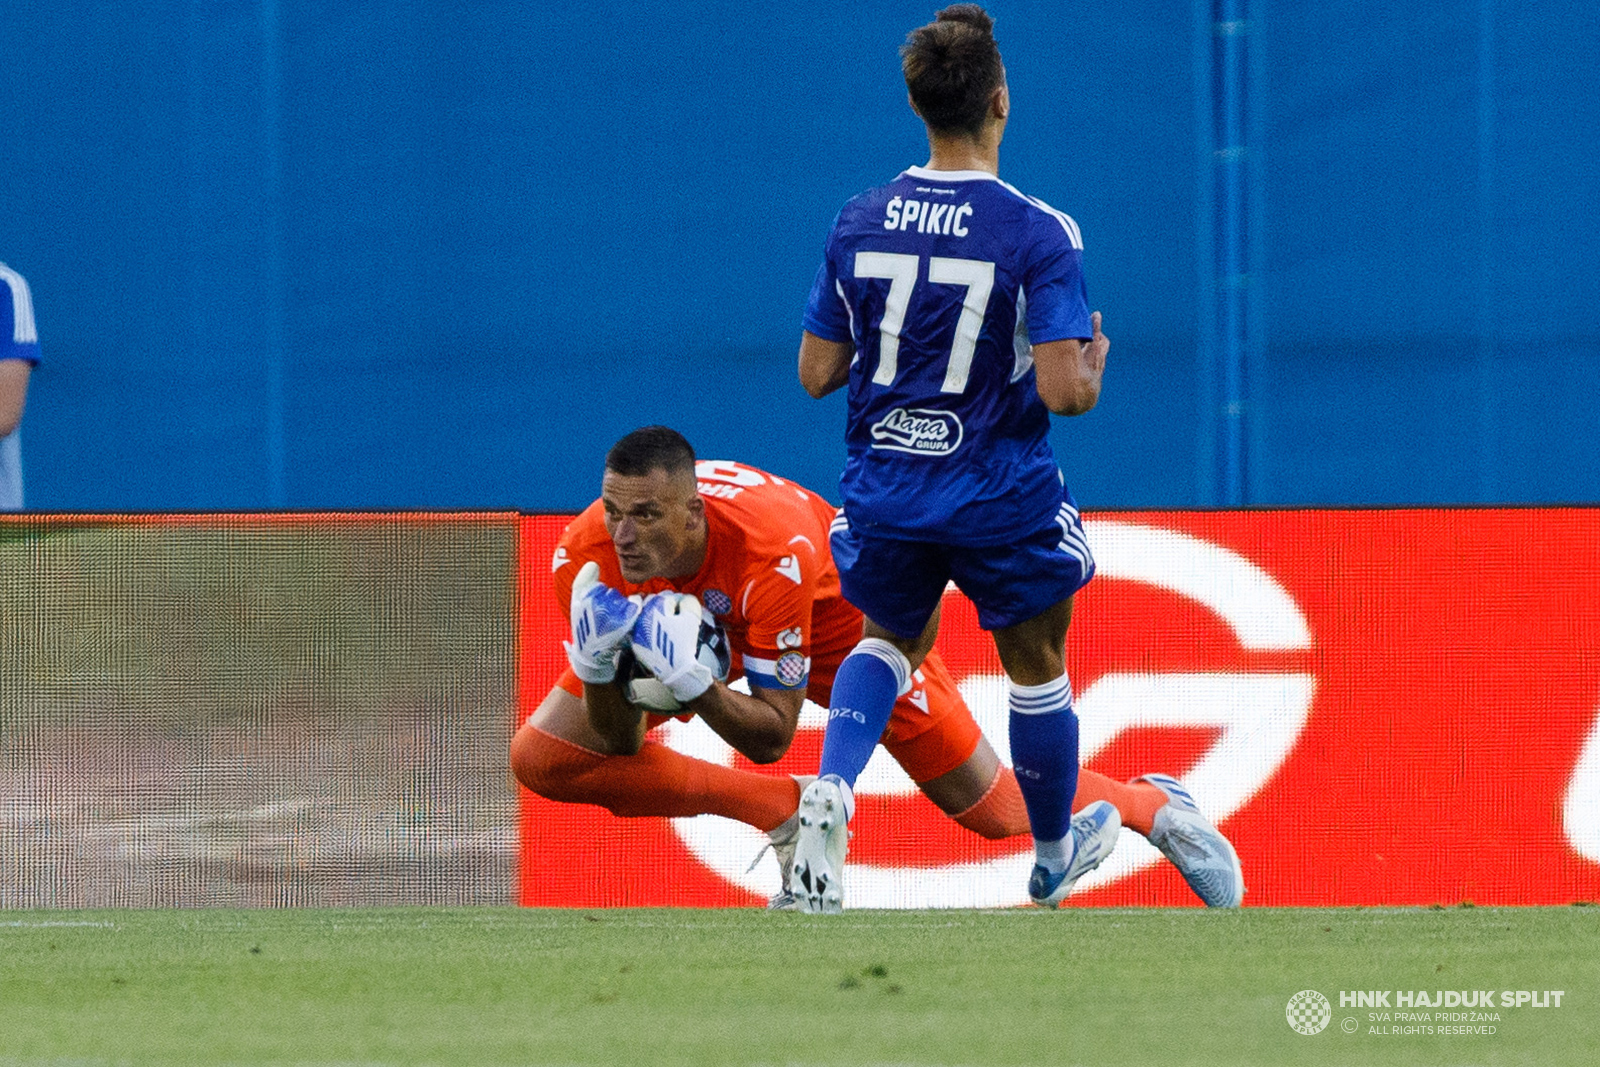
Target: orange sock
column 656, row 781
column 1001, row 812
column 1136, row 802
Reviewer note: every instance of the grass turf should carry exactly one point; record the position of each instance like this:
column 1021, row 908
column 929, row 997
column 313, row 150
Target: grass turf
column 489, row 986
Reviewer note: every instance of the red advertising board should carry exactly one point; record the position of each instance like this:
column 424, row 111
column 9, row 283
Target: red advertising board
column 1377, row 707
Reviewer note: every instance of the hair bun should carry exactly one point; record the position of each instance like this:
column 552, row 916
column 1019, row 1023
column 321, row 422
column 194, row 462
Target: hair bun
column 969, row 14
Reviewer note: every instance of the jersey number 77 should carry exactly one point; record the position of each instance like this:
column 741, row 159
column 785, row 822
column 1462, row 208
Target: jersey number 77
column 902, row 270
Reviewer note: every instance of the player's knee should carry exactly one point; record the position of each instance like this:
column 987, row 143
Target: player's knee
column 524, row 758
column 536, row 763
column 1001, row 813
column 891, row 657
column 982, row 824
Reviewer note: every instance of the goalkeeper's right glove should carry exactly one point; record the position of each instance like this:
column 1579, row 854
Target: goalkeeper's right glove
column 666, row 639
column 602, row 618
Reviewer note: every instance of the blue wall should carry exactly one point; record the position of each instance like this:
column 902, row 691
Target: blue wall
column 402, row 254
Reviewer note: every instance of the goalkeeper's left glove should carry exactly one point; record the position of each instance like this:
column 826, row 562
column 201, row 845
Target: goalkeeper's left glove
column 601, row 621
column 666, row 639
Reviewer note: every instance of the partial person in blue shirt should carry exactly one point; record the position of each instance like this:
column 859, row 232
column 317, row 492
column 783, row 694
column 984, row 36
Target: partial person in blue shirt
column 19, row 353
column 954, row 308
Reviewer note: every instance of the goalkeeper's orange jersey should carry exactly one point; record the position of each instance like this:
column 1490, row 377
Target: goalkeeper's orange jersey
column 769, row 578
column 768, row 575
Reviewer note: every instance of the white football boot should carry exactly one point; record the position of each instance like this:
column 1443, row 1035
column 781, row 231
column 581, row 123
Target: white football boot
column 1094, row 831
column 817, row 881
column 781, row 840
column 1202, row 855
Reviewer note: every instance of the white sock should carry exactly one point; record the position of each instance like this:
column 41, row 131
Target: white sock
column 848, row 794
column 1055, row 856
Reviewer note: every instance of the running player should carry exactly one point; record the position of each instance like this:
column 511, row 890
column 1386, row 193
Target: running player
column 954, row 308
column 753, row 548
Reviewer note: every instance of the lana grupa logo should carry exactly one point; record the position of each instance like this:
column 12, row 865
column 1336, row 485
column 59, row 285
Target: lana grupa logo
column 924, row 431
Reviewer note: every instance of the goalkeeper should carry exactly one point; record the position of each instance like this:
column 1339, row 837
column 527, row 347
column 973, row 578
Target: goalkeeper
column 752, row 548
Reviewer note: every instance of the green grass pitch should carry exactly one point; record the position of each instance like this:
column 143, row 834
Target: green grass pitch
column 492, row 986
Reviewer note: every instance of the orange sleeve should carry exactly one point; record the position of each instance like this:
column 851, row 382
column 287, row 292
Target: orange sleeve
column 564, row 568
column 576, row 547
column 569, row 682
column 777, row 601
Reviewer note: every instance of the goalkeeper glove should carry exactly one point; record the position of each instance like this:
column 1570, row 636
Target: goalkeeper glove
column 601, row 621
column 666, row 639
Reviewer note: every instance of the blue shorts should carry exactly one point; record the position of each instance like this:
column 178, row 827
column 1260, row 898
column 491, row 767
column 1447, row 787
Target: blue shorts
column 898, row 584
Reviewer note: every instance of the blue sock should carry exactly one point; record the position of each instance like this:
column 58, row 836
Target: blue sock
column 1044, row 753
column 869, row 681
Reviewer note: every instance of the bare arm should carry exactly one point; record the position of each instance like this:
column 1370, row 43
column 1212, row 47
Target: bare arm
column 620, row 724
column 1068, row 372
column 824, row 365
column 13, row 392
column 760, row 726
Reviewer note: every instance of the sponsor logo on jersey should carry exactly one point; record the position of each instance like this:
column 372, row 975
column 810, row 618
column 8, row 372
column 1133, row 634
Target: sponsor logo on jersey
column 716, row 601
column 920, row 430
column 792, row 669
column 560, row 560
column 793, row 637
column 789, row 567
column 949, row 219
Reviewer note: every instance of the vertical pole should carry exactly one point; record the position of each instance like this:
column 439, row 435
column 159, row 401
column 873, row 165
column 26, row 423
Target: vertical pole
column 1206, row 452
column 1229, row 36
column 195, row 100
column 1231, row 210
column 1488, row 371
column 1255, row 340
column 273, row 282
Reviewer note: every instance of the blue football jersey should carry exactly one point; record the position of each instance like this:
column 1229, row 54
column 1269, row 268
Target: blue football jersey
column 18, row 340
column 943, row 280
column 18, row 337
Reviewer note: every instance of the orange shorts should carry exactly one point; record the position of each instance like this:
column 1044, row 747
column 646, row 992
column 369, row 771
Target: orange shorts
column 931, row 730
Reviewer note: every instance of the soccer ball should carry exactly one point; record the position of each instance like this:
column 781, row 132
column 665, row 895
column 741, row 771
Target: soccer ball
column 647, row 691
